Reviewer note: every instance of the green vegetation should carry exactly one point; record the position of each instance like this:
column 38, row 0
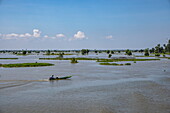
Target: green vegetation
column 108, row 51
column 97, row 59
column 73, row 61
column 165, row 57
column 84, row 51
column 48, row 52
column 26, row 65
column 110, row 55
column 115, row 64
column 144, row 56
column 112, row 52
column 128, row 52
column 147, row 52
column 9, row 58
column 127, row 63
column 58, row 58
column 117, row 60
column 24, row 52
column 165, row 49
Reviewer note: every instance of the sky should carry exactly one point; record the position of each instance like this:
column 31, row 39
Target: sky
column 84, row 24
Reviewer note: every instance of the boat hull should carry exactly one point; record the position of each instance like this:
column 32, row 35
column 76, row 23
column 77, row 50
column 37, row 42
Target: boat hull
column 60, row 78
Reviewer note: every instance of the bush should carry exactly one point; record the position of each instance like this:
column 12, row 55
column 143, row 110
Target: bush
column 109, row 56
column 73, row 61
column 157, row 54
column 128, row 52
column 127, row 63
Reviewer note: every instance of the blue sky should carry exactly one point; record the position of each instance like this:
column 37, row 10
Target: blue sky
column 77, row 24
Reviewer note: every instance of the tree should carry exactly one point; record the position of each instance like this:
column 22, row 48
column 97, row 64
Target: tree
column 24, row 52
column 60, row 55
column 152, row 50
column 48, row 52
column 96, row 51
column 147, row 52
column 84, row 51
column 157, row 49
column 74, row 60
column 110, row 55
column 168, row 47
column 108, row 51
column 141, row 50
column 29, row 52
column 128, row 52
column 112, row 52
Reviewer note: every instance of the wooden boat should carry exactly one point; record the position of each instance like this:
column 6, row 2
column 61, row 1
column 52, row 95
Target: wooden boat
column 60, row 78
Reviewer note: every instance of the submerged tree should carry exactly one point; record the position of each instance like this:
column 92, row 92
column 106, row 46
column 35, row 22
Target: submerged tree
column 110, row 55
column 168, row 47
column 24, row 52
column 73, row 60
column 60, row 55
column 108, row 51
column 128, row 52
column 112, row 52
column 147, row 52
column 48, row 52
column 84, row 51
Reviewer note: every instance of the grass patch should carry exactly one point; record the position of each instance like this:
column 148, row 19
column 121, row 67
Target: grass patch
column 26, row 65
column 9, row 58
column 58, row 58
column 58, row 54
column 74, row 61
column 97, row 59
column 115, row 64
column 144, row 56
column 127, row 63
column 165, row 57
column 117, row 60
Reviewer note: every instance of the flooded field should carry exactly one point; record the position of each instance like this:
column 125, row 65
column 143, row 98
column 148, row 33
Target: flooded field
column 143, row 87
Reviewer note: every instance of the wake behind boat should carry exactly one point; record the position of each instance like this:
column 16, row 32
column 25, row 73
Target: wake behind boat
column 59, row 78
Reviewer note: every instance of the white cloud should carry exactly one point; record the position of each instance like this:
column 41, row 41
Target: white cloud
column 27, row 35
column 60, row 35
column 12, row 35
column 15, row 36
column 46, row 36
column 109, row 37
column 36, row 33
column 79, row 35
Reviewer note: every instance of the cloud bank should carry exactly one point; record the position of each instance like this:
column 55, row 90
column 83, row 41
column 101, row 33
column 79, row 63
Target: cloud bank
column 36, row 33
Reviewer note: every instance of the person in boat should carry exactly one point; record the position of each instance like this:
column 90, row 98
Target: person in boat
column 52, row 77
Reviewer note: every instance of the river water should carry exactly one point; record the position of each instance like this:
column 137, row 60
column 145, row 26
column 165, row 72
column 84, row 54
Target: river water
column 143, row 87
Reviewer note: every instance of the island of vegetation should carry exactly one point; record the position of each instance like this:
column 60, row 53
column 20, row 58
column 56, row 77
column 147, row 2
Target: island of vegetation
column 25, row 65
column 59, row 58
column 9, row 58
column 115, row 64
column 118, row 60
column 73, row 61
column 98, row 59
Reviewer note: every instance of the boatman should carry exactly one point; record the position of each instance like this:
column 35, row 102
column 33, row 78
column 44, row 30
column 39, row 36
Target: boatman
column 52, row 77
